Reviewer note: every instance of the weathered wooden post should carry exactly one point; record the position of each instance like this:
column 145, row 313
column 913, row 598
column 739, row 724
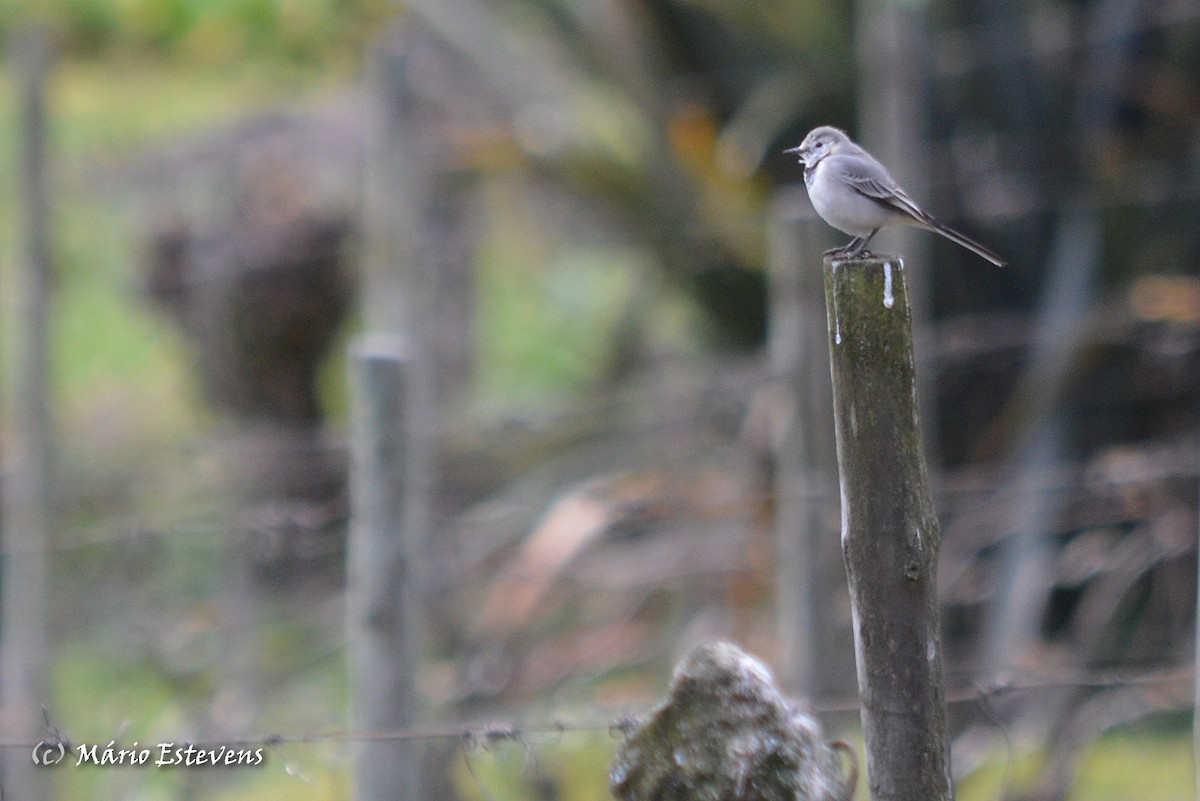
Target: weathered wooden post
column 1196, row 686
column 398, row 293
column 28, row 486
column 893, row 108
column 890, row 534
column 383, row 597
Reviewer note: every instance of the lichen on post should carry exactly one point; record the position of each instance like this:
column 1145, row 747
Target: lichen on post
column 726, row 733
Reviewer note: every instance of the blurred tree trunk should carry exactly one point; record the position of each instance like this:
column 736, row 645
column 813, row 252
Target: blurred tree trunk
column 809, row 574
column 28, row 481
column 1036, row 438
column 893, row 49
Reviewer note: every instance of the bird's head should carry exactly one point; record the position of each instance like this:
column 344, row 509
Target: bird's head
column 819, row 143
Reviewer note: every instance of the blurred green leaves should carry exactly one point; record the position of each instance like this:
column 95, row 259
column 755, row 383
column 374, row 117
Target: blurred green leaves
column 205, row 31
column 664, row 118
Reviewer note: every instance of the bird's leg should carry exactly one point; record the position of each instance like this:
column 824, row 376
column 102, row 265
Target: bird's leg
column 860, row 246
column 849, row 249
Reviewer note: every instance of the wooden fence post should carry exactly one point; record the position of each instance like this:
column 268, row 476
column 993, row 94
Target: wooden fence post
column 891, row 43
column 383, row 597
column 399, row 282
column 1196, row 683
column 890, row 534
column 28, row 485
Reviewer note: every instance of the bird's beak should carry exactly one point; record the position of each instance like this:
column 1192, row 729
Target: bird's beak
column 798, row 150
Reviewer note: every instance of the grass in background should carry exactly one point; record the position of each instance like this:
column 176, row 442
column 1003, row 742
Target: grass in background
column 1136, row 766
column 127, row 400
column 123, row 380
column 575, row 764
column 136, row 629
column 1130, row 764
column 106, row 110
column 134, row 615
column 1127, row 765
column 549, row 307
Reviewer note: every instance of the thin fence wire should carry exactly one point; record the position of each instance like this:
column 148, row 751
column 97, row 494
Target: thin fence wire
column 959, row 489
column 491, row 733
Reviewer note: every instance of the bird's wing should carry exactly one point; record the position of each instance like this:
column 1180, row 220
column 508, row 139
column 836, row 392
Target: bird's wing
column 868, row 178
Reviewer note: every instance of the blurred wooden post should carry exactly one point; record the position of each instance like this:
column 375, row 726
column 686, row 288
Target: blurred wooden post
column 399, row 288
column 1196, row 682
column 895, row 57
column 28, row 486
column 1035, row 436
column 807, row 574
column 383, row 598
column 392, row 185
column 890, row 534
column 398, row 299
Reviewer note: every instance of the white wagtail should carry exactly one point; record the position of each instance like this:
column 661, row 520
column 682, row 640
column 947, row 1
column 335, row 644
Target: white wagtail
column 855, row 194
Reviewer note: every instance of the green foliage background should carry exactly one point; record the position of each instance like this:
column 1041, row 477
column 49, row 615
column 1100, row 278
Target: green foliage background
column 136, row 70
column 208, row 31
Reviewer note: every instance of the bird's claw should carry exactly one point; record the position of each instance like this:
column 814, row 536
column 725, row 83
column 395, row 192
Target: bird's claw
column 847, row 252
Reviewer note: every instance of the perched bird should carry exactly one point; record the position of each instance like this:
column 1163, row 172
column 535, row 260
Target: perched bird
column 855, row 194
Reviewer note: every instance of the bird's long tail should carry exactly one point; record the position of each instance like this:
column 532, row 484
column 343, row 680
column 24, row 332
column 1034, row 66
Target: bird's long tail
column 964, row 240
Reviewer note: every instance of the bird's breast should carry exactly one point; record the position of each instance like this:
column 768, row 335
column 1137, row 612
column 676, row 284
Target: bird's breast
column 843, row 206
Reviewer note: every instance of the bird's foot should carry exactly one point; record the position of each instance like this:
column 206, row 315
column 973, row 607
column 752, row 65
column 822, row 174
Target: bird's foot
column 848, row 252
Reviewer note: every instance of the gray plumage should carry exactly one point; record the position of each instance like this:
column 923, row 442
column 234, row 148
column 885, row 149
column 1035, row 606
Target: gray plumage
column 856, row 195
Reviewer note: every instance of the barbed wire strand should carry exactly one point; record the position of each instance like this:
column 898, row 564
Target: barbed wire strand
column 490, row 734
